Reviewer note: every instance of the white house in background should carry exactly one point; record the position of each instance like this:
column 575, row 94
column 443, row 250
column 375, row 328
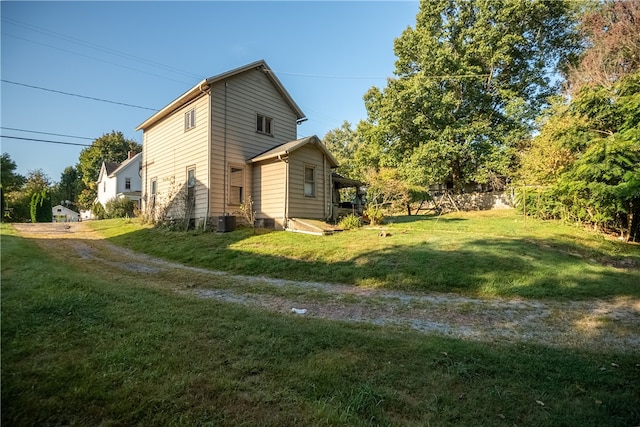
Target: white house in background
column 64, row 214
column 120, row 180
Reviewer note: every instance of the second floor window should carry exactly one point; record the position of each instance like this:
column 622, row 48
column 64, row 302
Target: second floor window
column 127, row 183
column 190, row 119
column 263, row 124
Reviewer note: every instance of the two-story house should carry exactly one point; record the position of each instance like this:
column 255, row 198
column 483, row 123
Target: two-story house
column 120, row 180
column 232, row 136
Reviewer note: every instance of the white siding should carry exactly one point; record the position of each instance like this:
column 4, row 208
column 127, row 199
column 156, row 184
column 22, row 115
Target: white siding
column 169, row 151
column 130, row 171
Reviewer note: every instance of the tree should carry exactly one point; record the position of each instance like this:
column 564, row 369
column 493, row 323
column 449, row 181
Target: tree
column 587, row 154
column 110, row 147
column 10, row 180
column 36, row 182
column 612, row 35
column 470, row 79
column 41, row 206
column 67, row 190
column 341, row 143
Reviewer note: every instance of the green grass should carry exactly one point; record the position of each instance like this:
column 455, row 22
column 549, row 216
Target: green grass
column 482, row 254
column 80, row 350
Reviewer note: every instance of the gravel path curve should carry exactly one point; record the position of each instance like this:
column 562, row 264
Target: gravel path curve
column 612, row 324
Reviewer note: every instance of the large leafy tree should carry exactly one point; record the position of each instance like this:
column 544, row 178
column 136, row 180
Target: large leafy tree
column 110, row 147
column 470, row 78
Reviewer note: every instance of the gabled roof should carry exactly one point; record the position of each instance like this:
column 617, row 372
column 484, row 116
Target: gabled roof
column 111, row 169
column 289, row 147
column 123, row 165
column 201, row 87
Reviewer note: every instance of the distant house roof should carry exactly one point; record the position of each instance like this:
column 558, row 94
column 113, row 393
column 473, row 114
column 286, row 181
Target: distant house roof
column 111, row 167
column 289, row 147
column 121, row 165
column 200, row 88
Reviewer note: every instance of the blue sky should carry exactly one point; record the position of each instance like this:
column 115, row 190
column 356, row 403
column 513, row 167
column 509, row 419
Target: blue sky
column 146, row 54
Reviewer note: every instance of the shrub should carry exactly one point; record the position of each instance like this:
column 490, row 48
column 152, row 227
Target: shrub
column 374, row 215
column 120, row 207
column 98, row 211
column 350, row 222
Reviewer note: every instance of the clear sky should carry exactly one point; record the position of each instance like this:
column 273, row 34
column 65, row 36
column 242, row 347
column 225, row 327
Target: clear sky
column 146, row 54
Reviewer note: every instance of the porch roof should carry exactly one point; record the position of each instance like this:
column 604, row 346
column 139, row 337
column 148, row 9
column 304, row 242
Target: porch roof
column 285, row 149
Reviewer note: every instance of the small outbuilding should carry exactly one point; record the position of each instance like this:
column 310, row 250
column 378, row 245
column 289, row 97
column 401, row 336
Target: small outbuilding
column 64, row 214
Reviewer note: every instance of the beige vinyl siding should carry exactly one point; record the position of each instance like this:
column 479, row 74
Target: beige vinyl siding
column 301, row 206
column 269, row 189
column 169, row 151
column 247, row 95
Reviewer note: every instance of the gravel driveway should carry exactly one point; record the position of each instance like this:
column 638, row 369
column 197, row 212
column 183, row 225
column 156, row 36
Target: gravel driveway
column 612, row 324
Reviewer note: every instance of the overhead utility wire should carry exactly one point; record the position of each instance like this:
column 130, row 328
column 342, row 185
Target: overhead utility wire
column 45, row 140
column 47, row 133
column 79, row 96
column 95, row 59
column 99, row 47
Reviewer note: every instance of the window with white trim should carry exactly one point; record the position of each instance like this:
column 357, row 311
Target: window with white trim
column 264, row 124
column 154, row 192
column 236, row 185
column 127, row 183
column 190, row 119
column 191, row 185
column 309, row 181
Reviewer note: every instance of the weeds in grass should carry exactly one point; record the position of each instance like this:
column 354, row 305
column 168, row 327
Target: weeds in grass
column 78, row 349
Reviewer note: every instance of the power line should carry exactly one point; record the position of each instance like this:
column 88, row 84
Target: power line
column 95, row 59
column 100, row 48
column 79, row 96
column 45, row 140
column 47, row 133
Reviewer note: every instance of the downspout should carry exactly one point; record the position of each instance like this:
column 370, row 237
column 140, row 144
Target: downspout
column 224, row 155
column 326, row 184
column 286, row 190
column 209, row 143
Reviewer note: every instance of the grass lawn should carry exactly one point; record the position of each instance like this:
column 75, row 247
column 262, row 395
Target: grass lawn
column 78, row 350
column 482, row 254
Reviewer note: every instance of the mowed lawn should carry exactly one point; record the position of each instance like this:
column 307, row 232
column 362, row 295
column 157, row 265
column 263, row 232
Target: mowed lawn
column 78, row 349
column 486, row 254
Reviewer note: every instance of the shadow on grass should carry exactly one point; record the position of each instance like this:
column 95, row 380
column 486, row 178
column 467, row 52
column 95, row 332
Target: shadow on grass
column 508, row 267
column 83, row 350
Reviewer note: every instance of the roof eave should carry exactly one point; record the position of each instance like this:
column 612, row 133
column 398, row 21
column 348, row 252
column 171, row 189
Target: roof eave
column 200, row 88
column 186, row 97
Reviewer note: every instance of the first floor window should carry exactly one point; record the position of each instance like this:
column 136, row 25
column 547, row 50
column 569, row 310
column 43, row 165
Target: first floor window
column 309, row 181
column 236, row 185
column 191, row 183
column 154, row 191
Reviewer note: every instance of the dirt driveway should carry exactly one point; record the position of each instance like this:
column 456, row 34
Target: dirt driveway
column 612, row 324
